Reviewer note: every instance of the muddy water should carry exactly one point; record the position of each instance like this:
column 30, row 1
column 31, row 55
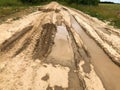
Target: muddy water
column 62, row 50
column 62, row 54
column 105, row 68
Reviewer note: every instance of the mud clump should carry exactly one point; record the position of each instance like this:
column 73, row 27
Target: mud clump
column 57, row 10
column 64, row 9
column 46, row 77
column 45, row 10
column 48, row 10
column 45, row 42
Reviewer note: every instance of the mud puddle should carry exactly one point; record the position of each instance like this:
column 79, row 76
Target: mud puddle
column 102, row 63
column 62, row 50
column 62, row 53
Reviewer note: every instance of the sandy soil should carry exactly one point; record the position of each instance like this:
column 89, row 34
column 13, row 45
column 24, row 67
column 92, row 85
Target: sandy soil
column 59, row 48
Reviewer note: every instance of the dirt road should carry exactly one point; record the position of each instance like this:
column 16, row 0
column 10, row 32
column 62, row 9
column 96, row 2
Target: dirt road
column 59, row 48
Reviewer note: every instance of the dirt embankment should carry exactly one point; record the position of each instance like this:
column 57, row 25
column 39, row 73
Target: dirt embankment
column 59, row 48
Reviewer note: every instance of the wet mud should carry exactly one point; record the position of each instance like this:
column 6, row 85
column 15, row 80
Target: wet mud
column 57, row 52
column 45, row 41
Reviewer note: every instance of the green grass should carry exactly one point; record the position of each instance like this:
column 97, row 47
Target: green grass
column 10, row 7
column 105, row 12
column 7, row 11
column 10, row 3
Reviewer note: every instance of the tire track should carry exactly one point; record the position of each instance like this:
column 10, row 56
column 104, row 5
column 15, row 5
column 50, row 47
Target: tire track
column 45, row 42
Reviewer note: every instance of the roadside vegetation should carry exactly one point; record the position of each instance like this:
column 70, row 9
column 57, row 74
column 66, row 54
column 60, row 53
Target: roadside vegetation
column 15, row 9
column 15, row 12
column 10, row 3
column 106, row 12
column 103, row 11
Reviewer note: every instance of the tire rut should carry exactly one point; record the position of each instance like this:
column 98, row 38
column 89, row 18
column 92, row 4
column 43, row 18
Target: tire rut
column 45, row 42
column 9, row 43
column 77, row 57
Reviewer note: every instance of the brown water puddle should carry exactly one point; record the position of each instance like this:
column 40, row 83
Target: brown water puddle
column 62, row 54
column 62, row 50
column 105, row 68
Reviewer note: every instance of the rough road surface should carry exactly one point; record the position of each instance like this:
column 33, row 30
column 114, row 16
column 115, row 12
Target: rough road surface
column 59, row 48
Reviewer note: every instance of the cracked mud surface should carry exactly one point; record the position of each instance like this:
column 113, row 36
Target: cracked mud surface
column 59, row 48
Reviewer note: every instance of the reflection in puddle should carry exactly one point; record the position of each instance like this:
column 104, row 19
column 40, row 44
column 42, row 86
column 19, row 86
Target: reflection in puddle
column 62, row 52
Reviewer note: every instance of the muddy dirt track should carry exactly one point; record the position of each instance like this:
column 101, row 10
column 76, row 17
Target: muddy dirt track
column 59, row 48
